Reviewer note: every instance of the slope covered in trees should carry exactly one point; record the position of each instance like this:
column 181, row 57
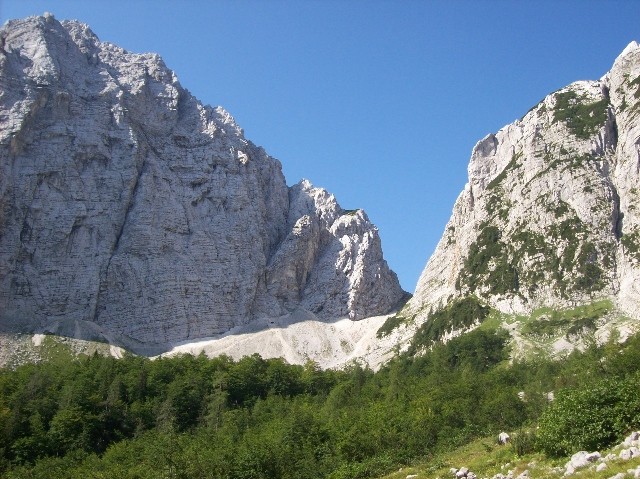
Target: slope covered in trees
column 197, row 417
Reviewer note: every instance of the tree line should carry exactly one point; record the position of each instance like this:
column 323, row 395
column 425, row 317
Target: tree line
column 191, row 416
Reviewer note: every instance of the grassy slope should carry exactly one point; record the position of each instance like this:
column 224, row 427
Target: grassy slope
column 486, row 458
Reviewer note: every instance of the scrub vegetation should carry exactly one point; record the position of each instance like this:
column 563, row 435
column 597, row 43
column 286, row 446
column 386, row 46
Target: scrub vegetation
column 188, row 416
column 582, row 118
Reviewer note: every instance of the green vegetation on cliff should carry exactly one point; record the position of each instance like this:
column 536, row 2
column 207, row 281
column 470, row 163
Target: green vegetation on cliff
column 563, row 257
column 460, row 314
column 581, row 117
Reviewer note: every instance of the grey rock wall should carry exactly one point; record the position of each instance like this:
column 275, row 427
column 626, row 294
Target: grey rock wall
column 126, row 203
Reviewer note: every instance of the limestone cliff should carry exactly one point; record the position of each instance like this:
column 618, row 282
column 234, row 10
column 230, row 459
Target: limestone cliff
column 549, row 216
column 127, row 206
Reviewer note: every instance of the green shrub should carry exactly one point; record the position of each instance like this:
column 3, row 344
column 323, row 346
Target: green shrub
column 590, row 417
column 631, row 244
column 488, row 263
column 391, row 323
column 583, row 119
column 512, row 165
column 523, row 442
column 636, row 83
column 461, row 313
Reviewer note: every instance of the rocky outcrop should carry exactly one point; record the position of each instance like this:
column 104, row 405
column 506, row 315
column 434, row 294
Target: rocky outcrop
column 127, row 204
column 549, row 216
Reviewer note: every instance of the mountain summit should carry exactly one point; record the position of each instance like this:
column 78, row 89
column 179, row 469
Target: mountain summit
column 550, row 215
column 128, row 208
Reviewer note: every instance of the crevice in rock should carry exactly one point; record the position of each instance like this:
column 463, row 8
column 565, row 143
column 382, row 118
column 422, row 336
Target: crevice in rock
column 116, row 245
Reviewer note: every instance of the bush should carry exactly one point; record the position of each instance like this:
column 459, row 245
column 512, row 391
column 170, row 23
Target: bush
column 523, row 442
column 583, row 119
column 590, row 417
column 460, row 314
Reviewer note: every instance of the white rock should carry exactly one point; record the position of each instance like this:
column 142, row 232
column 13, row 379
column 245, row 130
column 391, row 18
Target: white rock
column 528, row 182
column 503, row 438
column 580, row 460
column 462, row 472
column 601, row 467
column 127, row 204
column 412, row 476
column 632, row 439
column 629, row 453
column 620, row 475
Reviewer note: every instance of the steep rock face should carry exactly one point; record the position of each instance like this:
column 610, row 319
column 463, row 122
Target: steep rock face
column 126, row 203
column 549, row 215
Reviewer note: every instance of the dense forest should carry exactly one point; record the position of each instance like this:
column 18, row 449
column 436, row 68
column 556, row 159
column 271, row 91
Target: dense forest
column 194, row 417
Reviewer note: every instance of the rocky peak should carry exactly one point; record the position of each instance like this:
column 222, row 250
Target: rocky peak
column 127, row 205
column 548, row 216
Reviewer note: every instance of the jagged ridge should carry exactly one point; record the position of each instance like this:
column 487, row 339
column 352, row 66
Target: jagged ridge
column 549, row 215
column 126, row 203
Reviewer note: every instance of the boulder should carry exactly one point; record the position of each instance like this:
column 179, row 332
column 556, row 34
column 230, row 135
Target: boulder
column 629, row 453
column 580, row 460
column 632, row 439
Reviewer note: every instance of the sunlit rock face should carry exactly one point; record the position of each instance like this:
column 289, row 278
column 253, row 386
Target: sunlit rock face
column 550, row 214
column 126, row 203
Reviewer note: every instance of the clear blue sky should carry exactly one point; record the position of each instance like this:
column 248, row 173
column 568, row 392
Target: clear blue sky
column 379, row 102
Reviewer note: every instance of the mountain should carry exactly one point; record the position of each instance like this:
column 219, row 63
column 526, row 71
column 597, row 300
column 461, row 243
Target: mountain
column 132, row 213
column 547, row 223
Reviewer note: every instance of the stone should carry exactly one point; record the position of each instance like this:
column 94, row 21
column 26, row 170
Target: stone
column 503, row 438
column 412, row 476
column 523, row 475
column 129, row 208
column 632, row 439
column 462, row 472
column 620, row 475
column 580, row 460
column 630, row 453
column 601, row 467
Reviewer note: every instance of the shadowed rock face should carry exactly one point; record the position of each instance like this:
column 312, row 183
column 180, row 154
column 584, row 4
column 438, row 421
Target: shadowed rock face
column 550, row 215
column 126, row 203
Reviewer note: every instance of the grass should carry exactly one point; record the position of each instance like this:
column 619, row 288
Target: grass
column 548, row 323
column 486, row 459
column 52, row 348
